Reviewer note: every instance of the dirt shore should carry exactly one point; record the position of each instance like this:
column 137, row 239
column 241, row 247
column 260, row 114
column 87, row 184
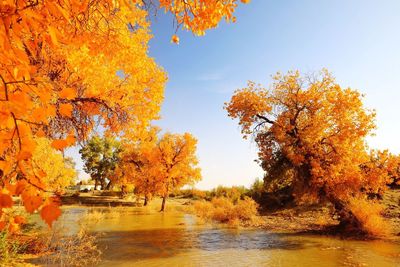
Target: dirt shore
column 318, row 220
column 313, row 219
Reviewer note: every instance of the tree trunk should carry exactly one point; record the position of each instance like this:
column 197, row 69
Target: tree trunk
column 96, row 183
column 109, row 185
column 165, row 197
column 348, row 222
column 163, row 202
column 146, row 200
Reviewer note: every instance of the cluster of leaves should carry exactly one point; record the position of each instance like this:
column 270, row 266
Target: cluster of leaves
column 56, row 174
column 63, row 67
column 200, row 15
column 60, row 171
column 159, row 165
column 67, row 66
column 311, row 135
column 385, row 167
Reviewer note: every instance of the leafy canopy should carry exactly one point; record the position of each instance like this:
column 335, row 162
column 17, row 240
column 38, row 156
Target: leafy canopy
column 157, row 166
column 67, row 66
column 312, row 131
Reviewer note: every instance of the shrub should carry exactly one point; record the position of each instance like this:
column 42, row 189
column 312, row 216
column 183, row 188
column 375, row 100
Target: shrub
column 368, row 214
column 224, row 210
column 14, row 244
column 198, row 194
column 79, row 249
column 193, row 193
column 234, row 193
column 256, row 189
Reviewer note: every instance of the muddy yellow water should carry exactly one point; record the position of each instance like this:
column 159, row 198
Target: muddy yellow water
column 138, row 237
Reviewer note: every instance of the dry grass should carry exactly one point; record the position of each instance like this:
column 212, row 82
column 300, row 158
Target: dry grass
column 93, row 216
column 62, row 248
column 369, row 215
column 9, row 249
column 79, row 249
column 223, row 210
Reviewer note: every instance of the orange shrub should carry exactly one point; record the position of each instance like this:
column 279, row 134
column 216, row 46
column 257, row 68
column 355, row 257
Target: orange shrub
column 198, row 194
column 224, row 210
column 368, row 213
column 246, row 209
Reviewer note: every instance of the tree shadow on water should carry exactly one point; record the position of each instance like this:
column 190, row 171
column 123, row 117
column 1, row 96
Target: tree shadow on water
column 163, row 243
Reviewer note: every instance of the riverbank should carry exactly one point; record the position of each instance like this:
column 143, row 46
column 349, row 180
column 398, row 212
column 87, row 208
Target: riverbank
column 310, row 219
column 143, row 236
column 108, row 218
column 317, row 219
column 98, row 198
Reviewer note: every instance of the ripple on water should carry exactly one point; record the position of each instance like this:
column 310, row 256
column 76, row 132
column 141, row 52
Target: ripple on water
column 138, row 238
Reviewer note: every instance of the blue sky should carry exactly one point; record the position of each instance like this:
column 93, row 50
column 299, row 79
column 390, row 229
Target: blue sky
column 358, row 41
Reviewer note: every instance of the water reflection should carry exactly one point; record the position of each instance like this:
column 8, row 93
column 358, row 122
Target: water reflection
column 140, row 238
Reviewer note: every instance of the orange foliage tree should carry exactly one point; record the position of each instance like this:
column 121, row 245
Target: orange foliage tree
column 137, row 165
column 177, row 163
column 65, row 65
column 313, row 131
column 159, row 166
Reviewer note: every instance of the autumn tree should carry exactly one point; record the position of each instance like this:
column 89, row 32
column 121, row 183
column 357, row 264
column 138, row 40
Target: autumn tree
column 101, row 156
column 311, row 131
column 58, row 172
column 66, row 66
column 137, row 165
column 176, row 163
column 158, row 165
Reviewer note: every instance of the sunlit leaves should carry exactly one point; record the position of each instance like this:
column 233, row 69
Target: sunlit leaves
column 67, row 66
column 55, row 171
column 201, row 15
column 311, row 135
column 60, row 75
column 157, row 166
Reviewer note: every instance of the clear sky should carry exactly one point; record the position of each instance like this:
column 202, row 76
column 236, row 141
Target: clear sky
column 358, row 41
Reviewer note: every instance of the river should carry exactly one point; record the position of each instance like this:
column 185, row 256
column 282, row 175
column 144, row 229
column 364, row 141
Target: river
column 139, row 237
